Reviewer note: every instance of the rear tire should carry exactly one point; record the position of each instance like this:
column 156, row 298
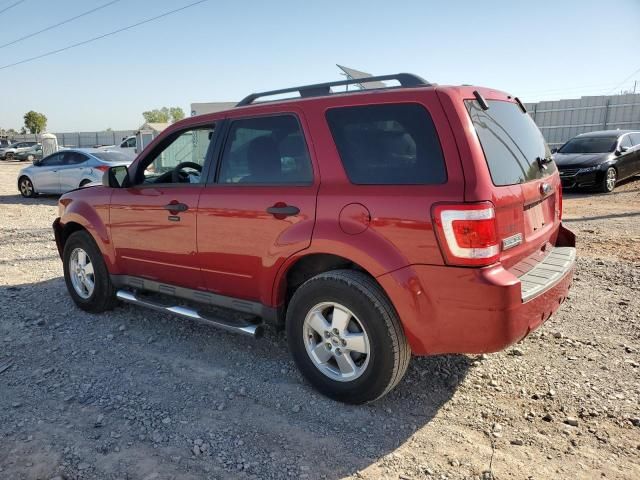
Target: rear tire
column 609, row 180
column 25, row 185
column 86, row 275
column 346, row 338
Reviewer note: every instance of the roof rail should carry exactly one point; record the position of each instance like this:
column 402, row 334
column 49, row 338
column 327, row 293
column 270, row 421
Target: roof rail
column 322, row 89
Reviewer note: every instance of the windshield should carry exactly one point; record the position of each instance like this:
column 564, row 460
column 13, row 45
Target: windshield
column 589, row 145
column 111, row 156
column 511, row 141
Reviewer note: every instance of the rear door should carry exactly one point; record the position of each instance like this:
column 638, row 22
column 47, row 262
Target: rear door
column 70, row 172
column 522, row 183
column 635, row 139
column 260, row 208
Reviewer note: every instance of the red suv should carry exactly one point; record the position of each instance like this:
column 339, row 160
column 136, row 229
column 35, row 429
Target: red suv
column 370, row 224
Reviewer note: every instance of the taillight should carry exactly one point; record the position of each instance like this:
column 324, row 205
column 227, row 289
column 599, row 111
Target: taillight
column 102, row 168
column 467, row 233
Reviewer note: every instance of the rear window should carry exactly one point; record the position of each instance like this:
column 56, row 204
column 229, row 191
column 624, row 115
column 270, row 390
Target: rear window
column 511, row 141
column 111, row 156
column 388, row 144
column 589, row 145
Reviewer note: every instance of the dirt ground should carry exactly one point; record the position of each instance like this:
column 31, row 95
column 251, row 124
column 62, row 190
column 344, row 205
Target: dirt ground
column 137, row 395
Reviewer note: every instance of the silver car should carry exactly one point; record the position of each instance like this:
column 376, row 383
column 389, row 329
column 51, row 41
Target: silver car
column 68, row 169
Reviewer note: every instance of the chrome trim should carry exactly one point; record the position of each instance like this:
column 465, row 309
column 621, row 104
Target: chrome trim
column 511, row 241
column 250, row 329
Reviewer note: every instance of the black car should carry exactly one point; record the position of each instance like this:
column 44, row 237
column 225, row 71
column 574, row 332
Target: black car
column 599, row 159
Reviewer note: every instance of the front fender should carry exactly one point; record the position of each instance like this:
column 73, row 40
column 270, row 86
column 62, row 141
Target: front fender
column 89, row 208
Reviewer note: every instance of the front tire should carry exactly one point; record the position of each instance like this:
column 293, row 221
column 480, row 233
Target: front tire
column 86, row 275
column 346, row 338
column 609, row 180
column 25, row 185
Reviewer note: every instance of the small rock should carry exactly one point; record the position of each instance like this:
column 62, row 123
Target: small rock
column 121, row 328
column 548, row 418
column 517, row 441
column 196, row 450
column 557, row 335
column 99, row 420
column 517, row 352
column 571, row 421
column 16, row 404
column 296, row 408
column 83, row 466
column 166, row 420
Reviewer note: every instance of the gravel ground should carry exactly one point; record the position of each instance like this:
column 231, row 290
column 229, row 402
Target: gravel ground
column 134, row 394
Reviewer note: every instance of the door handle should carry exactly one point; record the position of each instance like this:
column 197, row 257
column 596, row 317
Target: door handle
column 176, row 207
column 283, row 210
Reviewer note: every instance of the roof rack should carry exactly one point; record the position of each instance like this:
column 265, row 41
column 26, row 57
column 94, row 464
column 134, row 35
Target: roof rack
column 322, row 89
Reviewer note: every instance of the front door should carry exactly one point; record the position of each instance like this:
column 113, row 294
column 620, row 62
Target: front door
column 259, row 210
column 46, row 178
column 153, row 221
column 70, row 172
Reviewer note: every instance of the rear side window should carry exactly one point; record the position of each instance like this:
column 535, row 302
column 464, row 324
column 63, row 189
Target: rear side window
column 266, row 150
column 635, row 138
column 388, row 144
column 511, row 141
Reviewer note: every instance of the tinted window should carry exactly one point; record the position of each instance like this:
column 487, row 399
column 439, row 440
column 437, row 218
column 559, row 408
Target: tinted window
column 74, row 158
column 626, row 141
column 108, row 156
column 635, row 138
column 511, row 141
column 388, row 144
column 51, row 160
column 266, row 150
column 589, row 145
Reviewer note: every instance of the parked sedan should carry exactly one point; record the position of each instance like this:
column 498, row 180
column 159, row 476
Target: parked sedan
column 599, row 159
column 66, row 170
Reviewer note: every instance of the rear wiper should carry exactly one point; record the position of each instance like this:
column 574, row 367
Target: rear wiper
column 542, row 162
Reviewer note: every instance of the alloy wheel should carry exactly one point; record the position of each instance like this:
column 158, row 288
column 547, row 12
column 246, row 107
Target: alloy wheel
column 26, row 187
column 611, row 179
column 336, row 341
column 81, row 273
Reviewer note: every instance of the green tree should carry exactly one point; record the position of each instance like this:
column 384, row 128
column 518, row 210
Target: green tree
column 163, row 115
column 35, row 122
column 176, row 114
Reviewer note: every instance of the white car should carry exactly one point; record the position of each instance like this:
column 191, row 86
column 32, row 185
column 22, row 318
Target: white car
column 127, row 147
column 67, row 170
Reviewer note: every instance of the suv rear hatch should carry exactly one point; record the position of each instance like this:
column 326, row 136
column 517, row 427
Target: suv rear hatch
column 524, row 185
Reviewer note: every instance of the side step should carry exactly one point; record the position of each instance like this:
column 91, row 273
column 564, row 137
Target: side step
column 255, row 331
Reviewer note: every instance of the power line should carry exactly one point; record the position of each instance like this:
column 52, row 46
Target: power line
column 59, row 24
column 84, row 42
column 11, row 6
column 625, row 80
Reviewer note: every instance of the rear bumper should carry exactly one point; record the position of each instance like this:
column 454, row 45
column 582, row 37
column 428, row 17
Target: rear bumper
column 467, row 310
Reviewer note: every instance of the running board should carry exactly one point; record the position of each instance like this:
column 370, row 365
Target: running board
column 255, row 331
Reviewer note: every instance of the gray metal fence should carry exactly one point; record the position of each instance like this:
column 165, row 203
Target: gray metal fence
column 560, row 120
column 82, row 139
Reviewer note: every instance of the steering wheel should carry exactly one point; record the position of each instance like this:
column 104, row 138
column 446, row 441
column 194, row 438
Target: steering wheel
column 178, row 176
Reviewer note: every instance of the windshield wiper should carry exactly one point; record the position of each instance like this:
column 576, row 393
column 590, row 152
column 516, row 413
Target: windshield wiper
column 542, row 162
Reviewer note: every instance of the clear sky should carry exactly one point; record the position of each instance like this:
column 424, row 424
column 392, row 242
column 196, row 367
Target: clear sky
column 223, row 50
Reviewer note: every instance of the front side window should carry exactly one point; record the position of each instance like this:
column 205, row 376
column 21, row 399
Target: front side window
column 265, row 150
column 182, row 160
column 511, row 141
column 388, row 144
column 51, row 161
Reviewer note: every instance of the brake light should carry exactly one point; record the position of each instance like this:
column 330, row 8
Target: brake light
column 102, row 168
column 467, row 233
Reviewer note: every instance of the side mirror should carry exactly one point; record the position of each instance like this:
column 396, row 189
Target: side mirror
column 115, row 177
column 620, row 150
column 554, row 150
